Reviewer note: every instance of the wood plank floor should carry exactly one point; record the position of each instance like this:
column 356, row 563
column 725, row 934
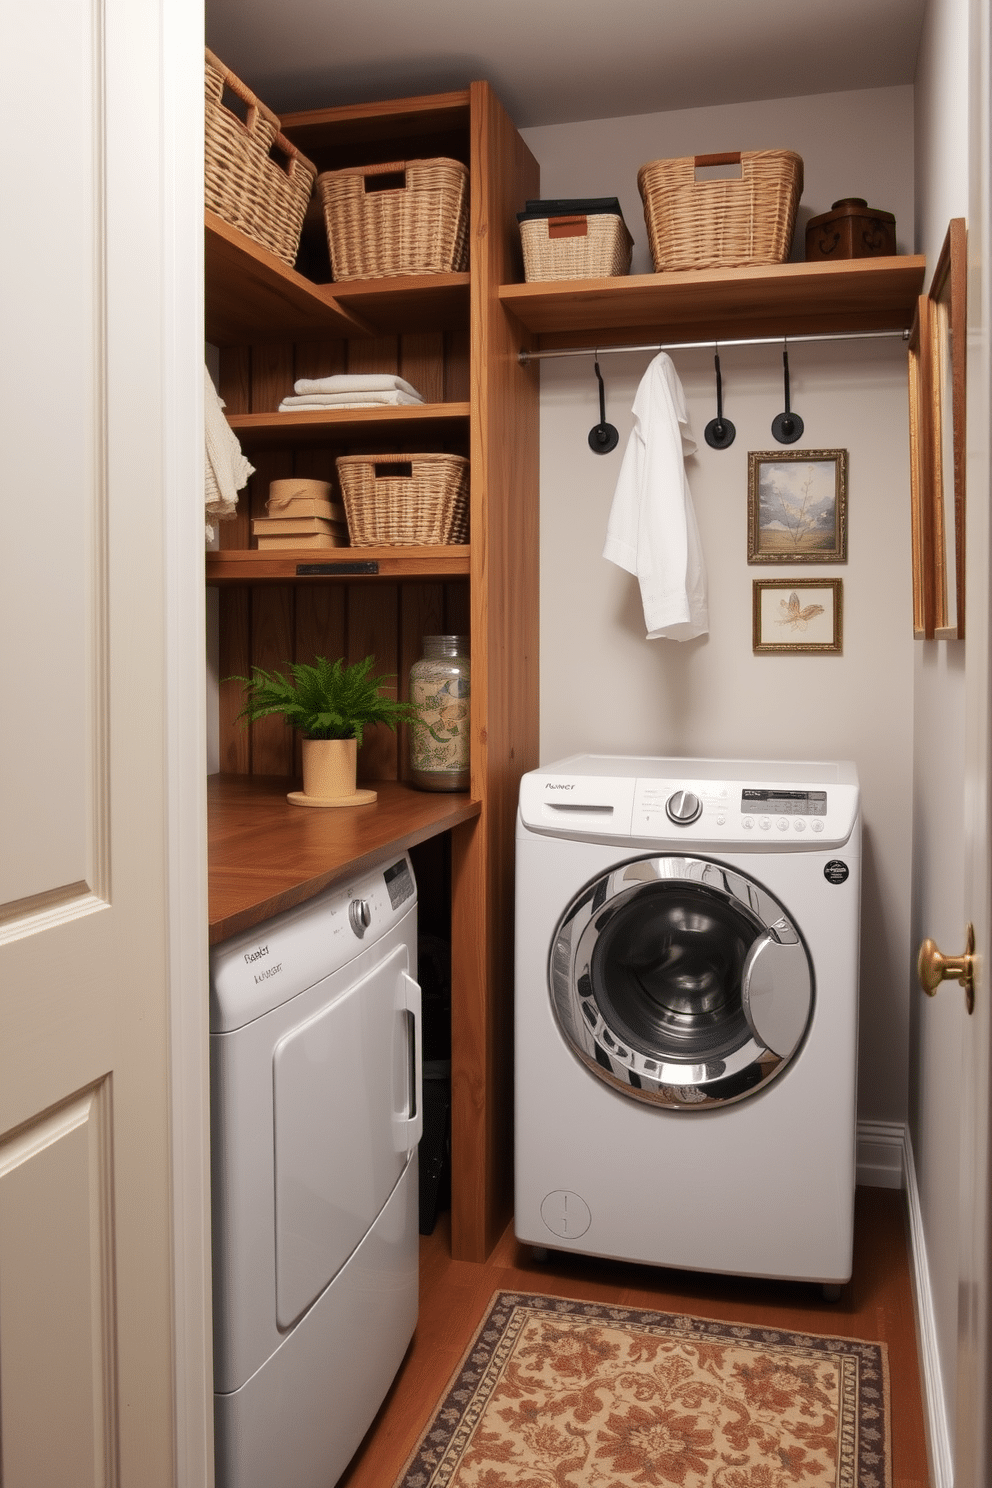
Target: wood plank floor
column 876, row 1304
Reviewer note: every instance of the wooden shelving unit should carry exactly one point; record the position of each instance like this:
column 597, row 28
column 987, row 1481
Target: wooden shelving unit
column 449, row 336
column 456, row 337
column 720, row 304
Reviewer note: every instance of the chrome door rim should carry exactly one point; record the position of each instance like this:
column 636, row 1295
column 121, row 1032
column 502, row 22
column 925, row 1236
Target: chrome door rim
column 736, row 1073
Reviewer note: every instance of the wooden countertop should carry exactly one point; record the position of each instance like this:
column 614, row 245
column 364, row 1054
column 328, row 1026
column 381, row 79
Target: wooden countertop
column 265, row 855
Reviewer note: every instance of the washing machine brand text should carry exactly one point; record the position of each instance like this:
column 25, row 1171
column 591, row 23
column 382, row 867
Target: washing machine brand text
column 251, row 956
column 560, row 787
column 270, row 971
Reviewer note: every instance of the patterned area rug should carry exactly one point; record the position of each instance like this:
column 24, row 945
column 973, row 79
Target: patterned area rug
column 561, row 1394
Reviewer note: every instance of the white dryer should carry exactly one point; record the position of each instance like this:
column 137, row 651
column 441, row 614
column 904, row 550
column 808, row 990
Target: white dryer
column 315, row 1067
column 687, row 1013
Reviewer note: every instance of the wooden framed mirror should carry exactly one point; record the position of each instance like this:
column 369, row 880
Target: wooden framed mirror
column 946, row 354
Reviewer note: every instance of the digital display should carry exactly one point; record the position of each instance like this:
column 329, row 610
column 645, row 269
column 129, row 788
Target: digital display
column 784, row 802
column 398, row 883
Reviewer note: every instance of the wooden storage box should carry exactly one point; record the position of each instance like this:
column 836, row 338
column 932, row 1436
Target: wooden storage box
column 253, row 177
column 851, row 229
column 698, row 223
column 575, row 242
column 408, row 217
column 405, row 500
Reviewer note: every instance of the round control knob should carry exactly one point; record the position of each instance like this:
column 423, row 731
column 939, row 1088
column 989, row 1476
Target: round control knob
column 359, row 916
column 683, row 808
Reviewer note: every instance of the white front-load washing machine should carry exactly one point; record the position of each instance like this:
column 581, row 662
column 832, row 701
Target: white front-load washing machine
column 315, row 1072
column 686, row 1013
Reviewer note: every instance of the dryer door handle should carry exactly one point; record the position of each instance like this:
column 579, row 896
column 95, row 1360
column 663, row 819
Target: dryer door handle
column 411, row 1126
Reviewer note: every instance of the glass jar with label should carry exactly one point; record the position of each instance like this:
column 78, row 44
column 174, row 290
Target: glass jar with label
column 439, row 738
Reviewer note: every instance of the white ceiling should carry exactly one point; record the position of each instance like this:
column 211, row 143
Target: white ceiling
column 556, row 61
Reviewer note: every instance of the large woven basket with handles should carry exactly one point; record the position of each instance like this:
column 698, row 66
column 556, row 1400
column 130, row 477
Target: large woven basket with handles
column 695, row 223
column 254, row 178
column 397, row 500
column 407, row 217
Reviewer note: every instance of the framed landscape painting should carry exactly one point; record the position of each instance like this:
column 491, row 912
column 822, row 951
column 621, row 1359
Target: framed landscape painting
column 797, row 506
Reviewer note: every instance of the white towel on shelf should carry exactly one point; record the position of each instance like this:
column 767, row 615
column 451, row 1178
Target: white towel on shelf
column 225, row 469
column 652, row 527
column 357, row 382
column 394, row 399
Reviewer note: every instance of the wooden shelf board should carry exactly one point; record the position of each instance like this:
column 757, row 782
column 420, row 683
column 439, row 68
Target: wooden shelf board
column 438, row 113
column 251, row 295
column 249, row 566
column 266, row 855
column 721, row 304
column 441, row 420
column 421, row 302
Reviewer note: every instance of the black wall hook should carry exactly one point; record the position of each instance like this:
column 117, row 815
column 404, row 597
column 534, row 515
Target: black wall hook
column 787, row 427
column 602, row 437
column 719, row 432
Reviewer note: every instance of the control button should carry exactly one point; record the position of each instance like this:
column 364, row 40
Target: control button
column 817, row 826
column 783, row 823
column 359, row 916
column 683, row 808
column 747, row 823
column 765, row 823
column 799, row 824
column 721, row 821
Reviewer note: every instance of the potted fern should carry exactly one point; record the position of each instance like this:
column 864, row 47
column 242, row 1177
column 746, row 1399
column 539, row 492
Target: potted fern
column 331, row 704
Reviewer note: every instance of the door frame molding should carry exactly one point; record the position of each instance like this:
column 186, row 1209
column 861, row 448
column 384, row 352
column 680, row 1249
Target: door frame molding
column 182, row 32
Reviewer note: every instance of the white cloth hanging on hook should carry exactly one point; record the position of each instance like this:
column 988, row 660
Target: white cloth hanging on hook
column 652, row 527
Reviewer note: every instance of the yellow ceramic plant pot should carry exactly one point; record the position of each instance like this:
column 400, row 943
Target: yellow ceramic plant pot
column 329, row 771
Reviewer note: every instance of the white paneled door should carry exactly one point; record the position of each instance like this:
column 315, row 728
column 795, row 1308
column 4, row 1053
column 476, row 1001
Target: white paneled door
column 973, row 1426
column 102, row 1185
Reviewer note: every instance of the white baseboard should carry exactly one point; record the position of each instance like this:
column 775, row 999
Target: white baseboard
column 881, row 1154
column 885, row 1160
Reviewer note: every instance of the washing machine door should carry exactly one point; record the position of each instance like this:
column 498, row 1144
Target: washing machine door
column 681, row 982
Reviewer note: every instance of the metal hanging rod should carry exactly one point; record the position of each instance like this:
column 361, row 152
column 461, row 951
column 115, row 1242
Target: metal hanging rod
column 598, row 351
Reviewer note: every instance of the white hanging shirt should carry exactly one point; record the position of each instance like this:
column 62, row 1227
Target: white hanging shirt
column 652, row 528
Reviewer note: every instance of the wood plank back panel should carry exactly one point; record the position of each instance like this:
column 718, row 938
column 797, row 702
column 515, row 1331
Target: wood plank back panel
column 272, row 626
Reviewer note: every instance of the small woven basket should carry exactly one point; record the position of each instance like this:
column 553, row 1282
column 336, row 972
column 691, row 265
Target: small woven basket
column 396, row 500
column 710, row 224
column 594, row 246
column 254, row 178
column 409, row 217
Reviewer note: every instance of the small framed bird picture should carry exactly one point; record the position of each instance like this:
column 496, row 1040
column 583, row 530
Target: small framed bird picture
column 797, row 615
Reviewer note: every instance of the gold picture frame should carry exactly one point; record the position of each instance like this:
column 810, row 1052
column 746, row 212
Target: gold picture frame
column 797, row 615
column 797, row 506
column 945, row 348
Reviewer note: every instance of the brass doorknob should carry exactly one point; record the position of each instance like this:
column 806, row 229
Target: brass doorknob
column 932, row 968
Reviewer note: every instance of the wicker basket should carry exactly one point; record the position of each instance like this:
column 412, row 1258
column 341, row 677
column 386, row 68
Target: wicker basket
column 721, row 224
column 409, row 217
column 266, row 198
column 575, row 247
column 397, row 500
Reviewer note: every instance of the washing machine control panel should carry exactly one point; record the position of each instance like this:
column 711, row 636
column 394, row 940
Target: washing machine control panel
column 726, row 811
column 773, row 806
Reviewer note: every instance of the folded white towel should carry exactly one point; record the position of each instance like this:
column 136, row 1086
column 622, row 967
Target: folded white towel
column 349, row 400
column 652, row 527
column 225, row 468
column 357, row 382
